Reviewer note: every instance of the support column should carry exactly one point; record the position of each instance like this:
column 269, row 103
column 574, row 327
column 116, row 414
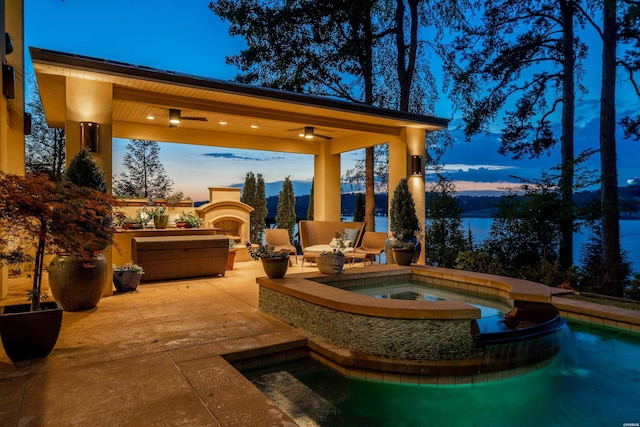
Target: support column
column 91, row 101
column 410, row 143
column 327, row 190
column 12, row 109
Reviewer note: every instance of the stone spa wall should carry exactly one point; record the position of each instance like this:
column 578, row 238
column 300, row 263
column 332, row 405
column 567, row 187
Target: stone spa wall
column 417, row 339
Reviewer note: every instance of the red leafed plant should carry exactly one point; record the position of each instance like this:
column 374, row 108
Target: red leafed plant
column 51, row 217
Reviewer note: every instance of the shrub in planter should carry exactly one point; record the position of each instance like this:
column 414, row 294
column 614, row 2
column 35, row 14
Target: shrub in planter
column 39, row 216
column 78, row 274
column 126, row 278
column 275, row 263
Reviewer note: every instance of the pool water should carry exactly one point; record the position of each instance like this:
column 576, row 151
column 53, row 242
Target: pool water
column 594, row 381
column 417, row 292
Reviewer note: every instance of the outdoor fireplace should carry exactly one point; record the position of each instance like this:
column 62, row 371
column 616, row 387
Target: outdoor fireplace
column 227, row 212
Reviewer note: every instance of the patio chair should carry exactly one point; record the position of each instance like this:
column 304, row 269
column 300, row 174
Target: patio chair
column 279, row 239
column 372, row 245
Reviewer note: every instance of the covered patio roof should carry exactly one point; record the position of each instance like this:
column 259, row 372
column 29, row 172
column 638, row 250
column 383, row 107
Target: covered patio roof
column 255, row 117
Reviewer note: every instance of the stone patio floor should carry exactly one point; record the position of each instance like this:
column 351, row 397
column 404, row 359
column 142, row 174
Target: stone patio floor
column 159, row 356
column 152, row 358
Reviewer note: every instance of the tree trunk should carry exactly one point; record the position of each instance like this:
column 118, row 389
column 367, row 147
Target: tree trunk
column 612, row 280
column 370, row 200
column 367, row 74
column 568, row 104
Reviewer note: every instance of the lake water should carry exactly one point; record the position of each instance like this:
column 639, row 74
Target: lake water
column 629, row 235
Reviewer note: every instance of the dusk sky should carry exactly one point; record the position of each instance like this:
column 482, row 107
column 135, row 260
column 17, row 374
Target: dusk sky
column 186, row 37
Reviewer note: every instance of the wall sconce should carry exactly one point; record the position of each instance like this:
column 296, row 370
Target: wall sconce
column 416, row 165
column 8, row 44
column 27, row 124
column 90, row 136
column 8, row 81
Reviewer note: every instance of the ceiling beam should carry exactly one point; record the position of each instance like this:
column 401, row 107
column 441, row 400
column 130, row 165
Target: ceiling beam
column 189, row 103
column 212, row 139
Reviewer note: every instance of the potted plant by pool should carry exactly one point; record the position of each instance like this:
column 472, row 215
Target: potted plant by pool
column 403, row 222
column 275, row 263
column 188, row 220
column 126, row 278
column 38, row 217
column 332, row 262
column 78, row 273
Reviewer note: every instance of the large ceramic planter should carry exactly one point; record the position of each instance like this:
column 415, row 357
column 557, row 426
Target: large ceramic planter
column 126, row 281
column 330, row 264
column 404, row 256
column 30, row 334
column 275, row 268
column 77, row 285
column 161, row 221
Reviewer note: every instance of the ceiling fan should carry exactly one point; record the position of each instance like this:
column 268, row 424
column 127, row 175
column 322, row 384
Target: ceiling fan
column 308, row 132
column 175, row 117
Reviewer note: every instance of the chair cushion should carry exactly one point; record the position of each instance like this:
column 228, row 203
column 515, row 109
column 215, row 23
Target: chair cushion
column 324, row 248
column 351, row 234
column 334, row 243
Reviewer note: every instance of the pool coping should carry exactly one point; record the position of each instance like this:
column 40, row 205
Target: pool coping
column 311, row 287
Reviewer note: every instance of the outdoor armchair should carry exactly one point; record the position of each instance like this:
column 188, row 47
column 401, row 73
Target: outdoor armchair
column 372, row 245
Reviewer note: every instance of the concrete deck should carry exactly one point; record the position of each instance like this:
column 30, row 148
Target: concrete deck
column 152, row 357
column 161, row 356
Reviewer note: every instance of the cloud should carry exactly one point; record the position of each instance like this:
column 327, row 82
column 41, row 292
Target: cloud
column 236, row 156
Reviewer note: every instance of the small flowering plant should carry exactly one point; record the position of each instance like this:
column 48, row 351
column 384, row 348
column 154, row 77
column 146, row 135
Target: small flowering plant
column 266, row 251
column 129, row 267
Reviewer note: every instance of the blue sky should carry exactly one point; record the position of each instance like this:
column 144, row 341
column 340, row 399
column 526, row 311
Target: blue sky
column 187, row 37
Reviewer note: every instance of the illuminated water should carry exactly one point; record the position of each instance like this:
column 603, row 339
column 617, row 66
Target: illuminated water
column 412, row 291
column 594, row 381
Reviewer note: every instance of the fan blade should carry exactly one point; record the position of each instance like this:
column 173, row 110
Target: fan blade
column 328, row 138
column 198, row 119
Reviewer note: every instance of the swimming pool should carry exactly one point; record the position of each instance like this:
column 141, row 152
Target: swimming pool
column 594, row 381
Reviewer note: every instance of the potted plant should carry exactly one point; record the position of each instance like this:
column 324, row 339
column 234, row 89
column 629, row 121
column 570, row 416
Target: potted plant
column 132, row 223
column 275, row 263
column 232, row 254
column 403, row 222
column 78, row 273
column 38, row 217
column 404, row 253
column 332, row 262
column 188, row 220
column 159, row 216
column 126, row 278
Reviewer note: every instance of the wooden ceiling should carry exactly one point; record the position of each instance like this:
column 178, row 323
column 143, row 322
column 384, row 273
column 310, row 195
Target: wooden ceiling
column 237, row 116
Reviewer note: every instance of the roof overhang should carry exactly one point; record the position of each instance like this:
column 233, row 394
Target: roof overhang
column 238, row 115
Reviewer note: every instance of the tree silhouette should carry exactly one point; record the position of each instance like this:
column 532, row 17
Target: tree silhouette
column 286, row 214
column 144, row 176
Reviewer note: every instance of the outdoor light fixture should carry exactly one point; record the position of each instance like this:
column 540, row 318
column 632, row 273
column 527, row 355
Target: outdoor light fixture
column 174, row 116
column 27, row 124
column 416, row 165
column 308, row 132
column 8, row 44
column 90, row 136
column 8, row 81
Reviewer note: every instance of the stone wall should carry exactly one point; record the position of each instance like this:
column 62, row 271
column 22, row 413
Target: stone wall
column 415, row 339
